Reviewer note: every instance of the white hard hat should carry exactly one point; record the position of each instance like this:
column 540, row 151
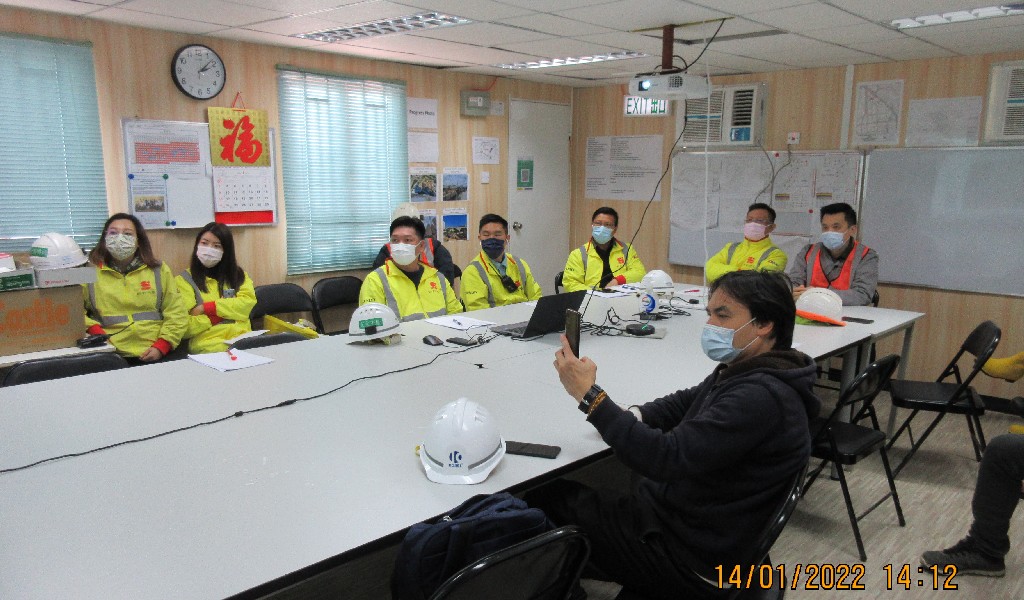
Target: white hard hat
column 371, row 321
column 820, row 304
column 405, row 209
column 463, row 445
column 658, row 280
column 55, row 251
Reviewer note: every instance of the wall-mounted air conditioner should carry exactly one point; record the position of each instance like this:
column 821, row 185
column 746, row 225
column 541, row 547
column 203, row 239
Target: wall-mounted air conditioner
column 1004, row 121
column 733, row 118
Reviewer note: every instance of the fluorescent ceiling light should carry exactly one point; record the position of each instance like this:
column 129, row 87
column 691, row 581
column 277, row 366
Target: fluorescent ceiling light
column 576, row 60
column 959, row 16
column 419, row 22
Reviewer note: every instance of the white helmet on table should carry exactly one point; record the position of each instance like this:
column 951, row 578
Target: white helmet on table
column 659, row 281
column 55, row 251
column 822, row 305
column 372, row 321
column 463, row 445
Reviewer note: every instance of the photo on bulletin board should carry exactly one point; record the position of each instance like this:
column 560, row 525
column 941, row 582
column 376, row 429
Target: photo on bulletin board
column 455, row 184
column 455, row 224
column 429, row 217
column 423, row 184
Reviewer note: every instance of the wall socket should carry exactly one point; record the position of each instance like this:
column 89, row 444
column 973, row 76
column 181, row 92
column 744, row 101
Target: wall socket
column 793, row 137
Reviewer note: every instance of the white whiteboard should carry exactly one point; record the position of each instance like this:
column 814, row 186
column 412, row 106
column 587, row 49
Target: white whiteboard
column 948, row 218
column 804, row 182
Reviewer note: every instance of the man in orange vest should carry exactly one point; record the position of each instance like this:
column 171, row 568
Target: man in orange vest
column 837, row 261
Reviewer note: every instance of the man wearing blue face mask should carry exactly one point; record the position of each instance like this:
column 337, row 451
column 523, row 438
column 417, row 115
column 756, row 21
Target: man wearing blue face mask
column 715, row 460
column 603, row 260
column 495, row 277
column 838, row 261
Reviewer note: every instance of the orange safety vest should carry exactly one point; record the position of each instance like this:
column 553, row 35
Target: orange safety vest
column 817, row 277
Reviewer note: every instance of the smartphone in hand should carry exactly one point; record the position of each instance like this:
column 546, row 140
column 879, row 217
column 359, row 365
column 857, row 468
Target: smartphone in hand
column 573, row 322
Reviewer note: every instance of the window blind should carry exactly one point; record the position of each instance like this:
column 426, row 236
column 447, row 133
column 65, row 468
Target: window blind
column 51, row 155
column 345, row 167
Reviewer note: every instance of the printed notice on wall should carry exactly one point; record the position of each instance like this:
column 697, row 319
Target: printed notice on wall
column 423, row 146
column 422, row 113
column 876, row 120
column 944, row 122
column 623, row 167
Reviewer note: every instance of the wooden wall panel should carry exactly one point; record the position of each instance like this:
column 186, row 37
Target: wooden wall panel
column 133, row 80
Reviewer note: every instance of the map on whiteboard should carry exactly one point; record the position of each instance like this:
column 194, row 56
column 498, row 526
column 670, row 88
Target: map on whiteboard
column 876, row 120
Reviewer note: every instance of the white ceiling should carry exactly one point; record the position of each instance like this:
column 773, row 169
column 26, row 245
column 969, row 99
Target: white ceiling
column 781, row 34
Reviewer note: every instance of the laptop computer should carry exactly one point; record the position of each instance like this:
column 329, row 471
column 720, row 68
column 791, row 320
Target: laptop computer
column 548, row 316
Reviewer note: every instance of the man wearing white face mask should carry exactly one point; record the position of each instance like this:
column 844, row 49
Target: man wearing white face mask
column 603, row 260
column 838, row 261
column 409, row 287
column 715, row 460
column 756, row 252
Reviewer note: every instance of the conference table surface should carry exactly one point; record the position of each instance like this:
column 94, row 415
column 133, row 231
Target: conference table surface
column 237, row 506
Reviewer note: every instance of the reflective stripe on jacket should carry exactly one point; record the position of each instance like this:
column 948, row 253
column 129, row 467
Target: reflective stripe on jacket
column 482, row 287
column 230, row 313
column 391, row 286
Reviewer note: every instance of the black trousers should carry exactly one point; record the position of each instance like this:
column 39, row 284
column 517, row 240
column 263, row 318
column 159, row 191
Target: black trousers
column 622, row 548
column 997, row 493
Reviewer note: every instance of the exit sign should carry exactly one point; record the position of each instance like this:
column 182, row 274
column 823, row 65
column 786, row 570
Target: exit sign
column 645, row 107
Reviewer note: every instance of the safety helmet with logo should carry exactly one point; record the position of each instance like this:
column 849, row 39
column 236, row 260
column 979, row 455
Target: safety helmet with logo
column 463, row 445
column 405, row 209
column 659, row 281
column 372, row 321
column 55, row 251
column 820, row 305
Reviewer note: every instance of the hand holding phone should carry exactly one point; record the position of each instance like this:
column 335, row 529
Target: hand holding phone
column 573, row 322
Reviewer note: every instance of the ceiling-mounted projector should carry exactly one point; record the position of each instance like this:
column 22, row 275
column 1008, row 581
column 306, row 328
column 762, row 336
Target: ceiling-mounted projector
column 670, row 86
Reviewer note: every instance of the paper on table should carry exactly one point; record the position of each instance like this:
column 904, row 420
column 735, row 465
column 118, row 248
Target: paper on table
column 247, row 334
column 460, row 323
column 222, row 361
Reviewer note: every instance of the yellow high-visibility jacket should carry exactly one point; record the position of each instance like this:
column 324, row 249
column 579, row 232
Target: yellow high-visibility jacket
column 224, row 317
column 482, row 287
column 583, row 267
column 389, row 285
column 144, row 304
column 762, row 255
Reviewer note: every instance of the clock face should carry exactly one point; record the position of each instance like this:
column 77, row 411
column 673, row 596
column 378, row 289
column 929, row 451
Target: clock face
column 198, row 72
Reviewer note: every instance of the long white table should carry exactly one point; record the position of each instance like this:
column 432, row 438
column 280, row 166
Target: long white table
column 251, row 503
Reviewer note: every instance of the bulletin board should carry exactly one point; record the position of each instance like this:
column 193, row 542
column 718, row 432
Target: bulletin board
column 804, row 182
column 173, row 184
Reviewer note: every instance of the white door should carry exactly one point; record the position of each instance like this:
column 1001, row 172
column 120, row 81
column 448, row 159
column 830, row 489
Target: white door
column 539, row 217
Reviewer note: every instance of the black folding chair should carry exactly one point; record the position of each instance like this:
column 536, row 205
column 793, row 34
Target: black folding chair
column 267, row 339
column 545, row 567
column 943, row 397
column 558, row 282
column 45, row 369
column 279, row 298
column 331, row 292
column 843, row 443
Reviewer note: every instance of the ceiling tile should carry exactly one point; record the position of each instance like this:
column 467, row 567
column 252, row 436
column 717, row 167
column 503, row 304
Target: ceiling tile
column 626, row 41
column 367, row 11
column 745, row 7
column 559, row 48
column 295, row 7
column 292, row 25
column 853, row 34
column 141, row 19
column 260, row 37
column 797, row 51
column 478, row 10
column 60, row 6
column 806, row 17
column 555, row 5
column 906, row 48
column 887, row 10
column 400, row 57
column 744, row 64
column 484, row 34
column 1002, row 39
column 211, row 11
column 979, row 27
column 441, row 49
column 630, row 15
column 555, row 25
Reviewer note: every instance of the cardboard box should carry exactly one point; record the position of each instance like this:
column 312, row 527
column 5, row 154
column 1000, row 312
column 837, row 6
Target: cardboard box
column 40, row 319
column 47, row 278
column 17, row 279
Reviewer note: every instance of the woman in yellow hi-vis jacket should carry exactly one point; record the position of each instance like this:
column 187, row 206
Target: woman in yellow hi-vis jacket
column 134, row 299
column 220, row 293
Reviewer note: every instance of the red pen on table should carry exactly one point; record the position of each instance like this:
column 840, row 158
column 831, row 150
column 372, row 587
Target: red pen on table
column 691, row 291
column 231, row 354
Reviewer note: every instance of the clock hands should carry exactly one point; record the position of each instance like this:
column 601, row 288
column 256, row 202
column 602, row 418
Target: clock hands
column 207, row 67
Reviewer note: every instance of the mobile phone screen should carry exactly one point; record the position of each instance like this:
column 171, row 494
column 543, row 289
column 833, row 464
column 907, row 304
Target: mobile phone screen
column 537, row 450
column 573, row 320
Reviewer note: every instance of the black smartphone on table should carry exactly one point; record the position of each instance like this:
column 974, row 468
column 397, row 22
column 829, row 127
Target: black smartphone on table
column 573, row 322
column 536, row 450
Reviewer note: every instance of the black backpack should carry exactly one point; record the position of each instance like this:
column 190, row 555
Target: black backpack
column 435, row 550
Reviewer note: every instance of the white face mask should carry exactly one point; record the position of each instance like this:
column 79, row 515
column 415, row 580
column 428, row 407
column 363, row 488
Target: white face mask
column 209, row 256
column 121, row 245
column 403, row 254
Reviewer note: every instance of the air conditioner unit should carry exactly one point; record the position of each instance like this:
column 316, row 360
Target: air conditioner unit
column 733, row 118
column 1004, row 121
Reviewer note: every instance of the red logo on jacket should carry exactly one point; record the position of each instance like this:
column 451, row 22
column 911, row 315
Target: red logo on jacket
column 433, row 285
column 750, row 260
column 145, row 286
column 621, row 260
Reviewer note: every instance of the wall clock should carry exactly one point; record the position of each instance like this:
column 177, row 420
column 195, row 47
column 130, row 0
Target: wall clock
column 198, row 72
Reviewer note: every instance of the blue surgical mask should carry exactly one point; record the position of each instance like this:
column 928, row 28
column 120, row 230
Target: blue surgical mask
column 493, row 247
column 832, row 239
column 717, row 342
column 602, row 234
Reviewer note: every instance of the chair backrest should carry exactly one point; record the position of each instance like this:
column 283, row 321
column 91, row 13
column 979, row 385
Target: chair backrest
column 777, row 523
column 278, row 298
column 267, row 339
column 44, row 369
column 545, row 567
column 558, row 282
column 333, row 291
column 864, row 388
column 981, row 343
column 875, row 299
